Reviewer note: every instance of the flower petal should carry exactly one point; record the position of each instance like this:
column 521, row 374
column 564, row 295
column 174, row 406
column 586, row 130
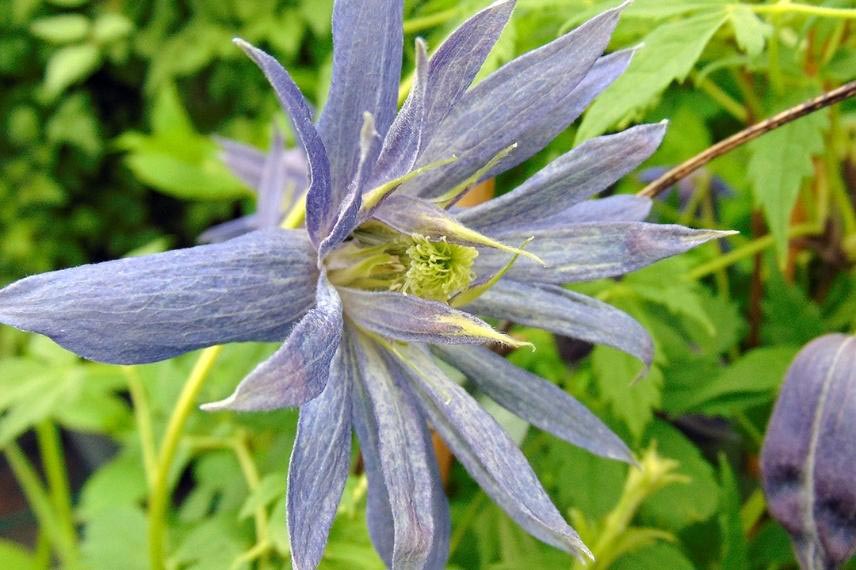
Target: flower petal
column 144, row 309
column 320, row 461
column 229, row 230
column 573, row 177
column 620, row 208
column 496, row 112
column 406, row 459
column 535, row 400
column 583, row 252
column 367, row 52
column 298, row 371
column 273, row 185
column 247, row 162
column 567, row 313
column 321, row 204
column 487, row 452
column 404, row 317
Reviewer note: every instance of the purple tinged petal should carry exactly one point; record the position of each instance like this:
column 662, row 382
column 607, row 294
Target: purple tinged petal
column 620, row 208
column 320, row 461
column 809, row 452
column 144, row 309
column 405, row 459
column 497, row 112
column 298, row 371
column 230, row 230
column 573, row 177
column 244, row 161
column 405, row 317
column 272, row 186
column 320, row 202
column 535, row 400
column 367, row 52
column 487, row 452
column 566, row 313
column 584, row 252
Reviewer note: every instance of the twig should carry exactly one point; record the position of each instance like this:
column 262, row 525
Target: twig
column 685, row 169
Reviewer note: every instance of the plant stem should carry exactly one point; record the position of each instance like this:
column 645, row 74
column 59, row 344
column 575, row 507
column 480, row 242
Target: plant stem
column 40, row 502
column 807, row 9
column 748, row 250
column 53, row 462
column 143, row 419
column 251, row 476
column 160, row 487
column 688, row 167
column 726, row 101
column 429, row 21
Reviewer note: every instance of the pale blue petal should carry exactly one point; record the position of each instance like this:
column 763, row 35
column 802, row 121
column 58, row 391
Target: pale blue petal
column 320, row 460
column 487, row 452
column 230, row 230
column 573, row 177
column 584, row 252
column 535, row 400
column 367, row 52
column 566, row 313
column 321, row 204
column 144, row 309
column 273, row 185
column 298, row 371
column 620, row 208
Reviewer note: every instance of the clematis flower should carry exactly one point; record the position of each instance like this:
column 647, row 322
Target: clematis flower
column 809, row 451
column 278, row 178
column 387, row 277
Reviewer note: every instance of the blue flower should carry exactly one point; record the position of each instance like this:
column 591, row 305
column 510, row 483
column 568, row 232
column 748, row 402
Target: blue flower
column 387, row 276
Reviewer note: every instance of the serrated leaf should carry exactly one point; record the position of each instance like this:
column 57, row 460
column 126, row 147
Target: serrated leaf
column 632, row 402
column 749, row 30
column 61, row 29
column 69, row 65
column 779, row 162
column 668, row 54
column 680, row 299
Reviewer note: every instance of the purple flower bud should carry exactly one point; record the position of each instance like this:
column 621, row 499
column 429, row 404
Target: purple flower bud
column 809, row 455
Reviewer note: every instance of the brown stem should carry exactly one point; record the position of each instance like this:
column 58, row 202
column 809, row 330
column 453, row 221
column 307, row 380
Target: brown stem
column 686, row 168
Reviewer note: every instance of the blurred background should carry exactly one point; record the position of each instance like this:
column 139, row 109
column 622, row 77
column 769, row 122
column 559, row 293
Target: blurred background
column 107, row 112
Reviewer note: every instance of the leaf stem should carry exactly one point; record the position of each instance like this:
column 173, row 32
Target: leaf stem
column 39, row 500
column 143, row 419
column 160, row 485
column 53, row 462
column 807, row 9
column 742, row 137
column 424, row 22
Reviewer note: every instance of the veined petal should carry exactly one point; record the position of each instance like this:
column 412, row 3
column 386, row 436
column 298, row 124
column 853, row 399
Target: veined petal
column 535, row 400
column 567, row 313
column 319, row 462
column 592, row 251
column 620, row 208
column 507, row 104
column 487, row 452
column 408, row 318
column 229, row 230
column 367, row 51
column 573, row 177
column 244, row 161
column 298, row 371
column 321, row 204
column 144, row 309
column 405, row 459
column 272, row 186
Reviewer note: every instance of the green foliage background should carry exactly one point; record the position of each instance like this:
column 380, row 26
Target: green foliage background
column 106, row 112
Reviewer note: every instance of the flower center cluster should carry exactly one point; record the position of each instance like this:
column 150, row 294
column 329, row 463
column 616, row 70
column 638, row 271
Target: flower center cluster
column 378, row 259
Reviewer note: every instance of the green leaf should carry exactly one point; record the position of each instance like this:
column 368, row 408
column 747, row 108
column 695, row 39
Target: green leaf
column 271, row 487
column 175, row 177
column 117, row 484
column 668, row 54
column 212, row 545
column 734, row 547
column 680, row 505
column 61, row 29
column 110, row 27
column 655, row 557
column 749, row 30
column 116, row 538
column 16, row 557
column 680, row 298
column 780, row 161
column 632, row 402
column 69, row 65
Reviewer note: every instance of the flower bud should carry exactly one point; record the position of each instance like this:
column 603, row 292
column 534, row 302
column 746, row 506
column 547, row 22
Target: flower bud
column 809, row 454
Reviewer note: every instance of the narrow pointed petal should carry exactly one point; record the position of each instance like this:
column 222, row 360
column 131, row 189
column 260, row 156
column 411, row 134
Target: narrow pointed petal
column 367, row 51
column 298, row 371
column 320, row 202
column 620, row 208
column 809, row 452
column 584, row 252
column 272, row 186
column 567, row 313
column 144, row 309
column 487, row 452
column 244, row 161
column 230, row 230
column 535, row 400
column 405, row 459
column 499, row 110
column 320, row 461
column 404, row 317
column 573, row 177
